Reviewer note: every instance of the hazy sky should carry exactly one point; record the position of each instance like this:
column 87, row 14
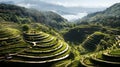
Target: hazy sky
column 84, row 3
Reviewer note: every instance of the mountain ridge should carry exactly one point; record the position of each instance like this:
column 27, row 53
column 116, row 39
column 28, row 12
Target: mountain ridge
column 108, row 17
column 60, row 9
column 19, row 14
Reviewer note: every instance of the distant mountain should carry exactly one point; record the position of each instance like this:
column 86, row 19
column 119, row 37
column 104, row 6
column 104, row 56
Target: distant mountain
column 7, row 2
column 40, row 5
column 22, row 15
column 109, row 17
column 72, row 12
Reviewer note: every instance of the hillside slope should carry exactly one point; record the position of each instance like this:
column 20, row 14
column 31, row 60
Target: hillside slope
column 109, row 17
column 18, row 14
column 98, row 41
column 79, row 33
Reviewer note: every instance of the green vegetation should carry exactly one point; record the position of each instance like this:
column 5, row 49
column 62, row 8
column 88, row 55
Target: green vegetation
column 104, row 58
column 30, row 37
column 22, row 15
column 25, row 27
column 43, row 48
column 109, row 17
column 8, row 32
column 10, row 41
column 79, row 33
column 115, row 52
column 97, row 41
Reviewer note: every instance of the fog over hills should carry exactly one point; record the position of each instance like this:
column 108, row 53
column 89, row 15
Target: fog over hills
column 70, row 13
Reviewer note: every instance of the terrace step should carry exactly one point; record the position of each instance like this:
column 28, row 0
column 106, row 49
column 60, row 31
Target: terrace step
column 46, row 55
column 36, row 62
column 44, row 50
column 101, row 62
column 112, row 58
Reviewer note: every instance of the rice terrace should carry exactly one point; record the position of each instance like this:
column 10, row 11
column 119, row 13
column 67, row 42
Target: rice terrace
column 50, row 33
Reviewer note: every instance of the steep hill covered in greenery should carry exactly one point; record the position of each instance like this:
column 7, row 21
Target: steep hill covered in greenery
column 98, row 41
column 79, row 33
column 104, row 58
column 109, row 17
column 22, row 15
column 91, row 38
column 27, row 45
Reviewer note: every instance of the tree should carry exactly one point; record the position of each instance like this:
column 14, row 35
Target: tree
column 25, row 27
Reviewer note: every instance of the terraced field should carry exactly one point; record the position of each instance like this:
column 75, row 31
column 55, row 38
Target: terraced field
column 38, row 48
column 107, row 58
column 10, row 42
column 101, row 60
